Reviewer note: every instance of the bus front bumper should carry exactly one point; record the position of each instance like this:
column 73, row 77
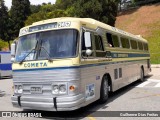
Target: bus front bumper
column 49, row 104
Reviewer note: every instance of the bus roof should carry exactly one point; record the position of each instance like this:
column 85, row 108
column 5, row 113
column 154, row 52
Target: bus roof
column 91, row 23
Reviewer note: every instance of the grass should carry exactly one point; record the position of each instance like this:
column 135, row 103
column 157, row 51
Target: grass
column 144, row 21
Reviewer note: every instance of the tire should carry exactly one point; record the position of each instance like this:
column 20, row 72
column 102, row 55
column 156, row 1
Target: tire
column 104, row 91
column 142, row 75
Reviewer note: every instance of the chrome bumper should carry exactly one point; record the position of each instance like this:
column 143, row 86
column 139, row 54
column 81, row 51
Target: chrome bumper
column 49, row 104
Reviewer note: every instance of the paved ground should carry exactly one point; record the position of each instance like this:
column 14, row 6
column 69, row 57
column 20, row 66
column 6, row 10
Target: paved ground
column 135, row 97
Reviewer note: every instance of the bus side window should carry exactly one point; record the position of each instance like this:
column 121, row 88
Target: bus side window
column 115, row 41
column 98, row 43
column 125, row 42
column 145, row 46
column 140, row 45
column 109, row 39
column 134, row 44
column 99, row 48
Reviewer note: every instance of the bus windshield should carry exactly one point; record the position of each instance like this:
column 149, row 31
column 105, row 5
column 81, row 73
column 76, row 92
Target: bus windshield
column 55, row 44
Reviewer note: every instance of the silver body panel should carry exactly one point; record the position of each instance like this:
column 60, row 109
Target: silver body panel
column 82, row 76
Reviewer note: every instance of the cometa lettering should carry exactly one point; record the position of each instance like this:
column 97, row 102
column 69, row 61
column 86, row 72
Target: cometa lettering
column 30, row 65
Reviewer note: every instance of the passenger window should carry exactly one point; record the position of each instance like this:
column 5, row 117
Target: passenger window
column 145, row 46
column 109, row 39
column 115, row 40
column 125, row 43
column 112, row 40
column 140, row 45
column 134, row 44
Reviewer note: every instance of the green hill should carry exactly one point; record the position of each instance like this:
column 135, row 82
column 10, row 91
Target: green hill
column 144, row 21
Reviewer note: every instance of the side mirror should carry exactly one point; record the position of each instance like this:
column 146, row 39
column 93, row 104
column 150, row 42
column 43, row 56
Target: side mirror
column 87, row 37
column 13, row 51
column 88, row 52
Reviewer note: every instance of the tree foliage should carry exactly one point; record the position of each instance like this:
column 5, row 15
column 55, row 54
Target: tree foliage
column 3, row 21
column 102, row 10
column 20, row 10
column 35, row 8
column 5, row 24
column 64, row 4
column 22, row 13
column 42, row 15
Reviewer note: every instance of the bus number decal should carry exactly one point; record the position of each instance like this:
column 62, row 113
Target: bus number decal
column 90, row 91
column 98, row 77
column 64, row 24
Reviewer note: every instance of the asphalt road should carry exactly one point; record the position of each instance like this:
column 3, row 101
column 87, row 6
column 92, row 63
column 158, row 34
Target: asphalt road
column 138, row 97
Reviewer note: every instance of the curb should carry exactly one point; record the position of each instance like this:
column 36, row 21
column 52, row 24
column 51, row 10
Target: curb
column 153, row 80
column 155, row 66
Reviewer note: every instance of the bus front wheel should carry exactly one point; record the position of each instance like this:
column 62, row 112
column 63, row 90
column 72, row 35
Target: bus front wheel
column 104, row 91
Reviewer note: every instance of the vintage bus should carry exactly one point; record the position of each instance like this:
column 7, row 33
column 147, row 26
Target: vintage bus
column 66, row 63
column 5, row 64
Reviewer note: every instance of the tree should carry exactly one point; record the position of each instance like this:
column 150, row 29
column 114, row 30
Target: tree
column 35, row 8
column 64, row 4
column 4, row 22
column 102, row 10
column 45, row 15
column 47, row 11
column 20, row 10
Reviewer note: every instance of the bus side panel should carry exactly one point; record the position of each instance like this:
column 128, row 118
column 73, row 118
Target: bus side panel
column 130, row 73
column 92, row 75
column 121, row 73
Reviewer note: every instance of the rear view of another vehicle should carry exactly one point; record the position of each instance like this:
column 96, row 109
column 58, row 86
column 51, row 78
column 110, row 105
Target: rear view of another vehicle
column 5, row 64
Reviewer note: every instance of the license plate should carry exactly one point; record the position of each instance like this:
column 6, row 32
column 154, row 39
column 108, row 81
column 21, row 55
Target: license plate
column 36, row 89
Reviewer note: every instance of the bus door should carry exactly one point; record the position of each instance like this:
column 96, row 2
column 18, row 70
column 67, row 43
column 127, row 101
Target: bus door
column 91, row 72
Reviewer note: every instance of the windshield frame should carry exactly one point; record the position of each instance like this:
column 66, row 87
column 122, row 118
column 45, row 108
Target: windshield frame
column 37, row 52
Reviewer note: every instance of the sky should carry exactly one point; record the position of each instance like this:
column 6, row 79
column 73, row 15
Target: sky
column 8, row 3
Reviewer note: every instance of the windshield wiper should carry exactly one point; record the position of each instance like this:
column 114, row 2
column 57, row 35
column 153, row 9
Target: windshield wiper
column 48, row 56
column 29, row 53
column 27, row 56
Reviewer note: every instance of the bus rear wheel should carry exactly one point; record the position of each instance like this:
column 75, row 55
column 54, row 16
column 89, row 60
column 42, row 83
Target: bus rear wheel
column 142, row 75
column 104, row 91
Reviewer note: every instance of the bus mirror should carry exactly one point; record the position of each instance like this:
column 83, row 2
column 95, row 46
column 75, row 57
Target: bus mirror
column 88, row 52
column 12, row 59
column 87, row 37
column 13, row 49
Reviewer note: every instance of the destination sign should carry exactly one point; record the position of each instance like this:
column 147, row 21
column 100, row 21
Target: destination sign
column 50, row 26
column 45, row 27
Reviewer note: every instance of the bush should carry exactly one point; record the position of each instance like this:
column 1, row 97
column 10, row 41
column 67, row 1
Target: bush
column 3, row 44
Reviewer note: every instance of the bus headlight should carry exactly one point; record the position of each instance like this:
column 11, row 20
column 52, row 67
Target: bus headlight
column 55, row 89
column 59, row 89
column 18, row 89
column 62, row 89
